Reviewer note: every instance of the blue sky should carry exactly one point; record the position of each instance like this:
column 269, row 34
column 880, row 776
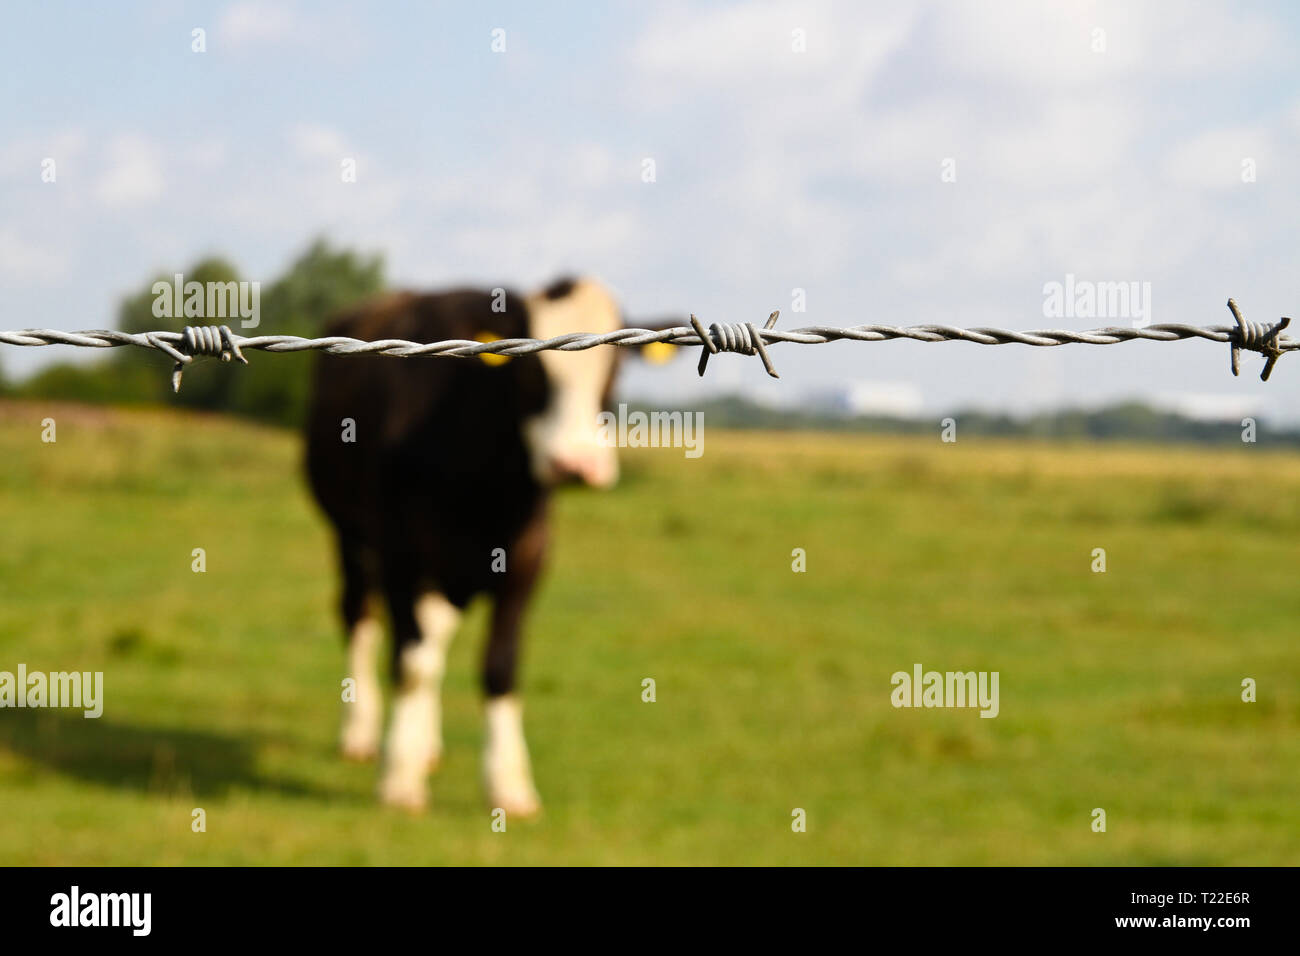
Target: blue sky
column 776, row 169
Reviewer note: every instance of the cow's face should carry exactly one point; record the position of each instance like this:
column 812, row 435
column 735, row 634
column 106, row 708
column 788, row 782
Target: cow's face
column 564, row 440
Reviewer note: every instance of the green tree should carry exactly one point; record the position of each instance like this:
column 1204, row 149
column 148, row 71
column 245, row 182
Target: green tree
column 317, row 286
column 147, row 311
column 272, row 388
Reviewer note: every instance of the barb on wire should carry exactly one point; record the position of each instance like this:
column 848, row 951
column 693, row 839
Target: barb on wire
column 1257, row 338
column 216, row 340
column 734, row 338
column 220, row 341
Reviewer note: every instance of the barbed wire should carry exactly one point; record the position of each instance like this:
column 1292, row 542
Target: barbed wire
column 744, row 338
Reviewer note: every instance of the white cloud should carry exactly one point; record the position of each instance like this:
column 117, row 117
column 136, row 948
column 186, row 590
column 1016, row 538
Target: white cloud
column 1214, row 159
column 133, row 173
column 252, row 27
column 751, row 48
column 23, row 259
column 1054, row 46
column 252, row 23
column 315, row 141
column 22, row 157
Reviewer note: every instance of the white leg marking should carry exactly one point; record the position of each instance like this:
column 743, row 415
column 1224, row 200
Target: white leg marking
column 415, row 737
column 438, row 620
column 506, row 769
column 363, row 717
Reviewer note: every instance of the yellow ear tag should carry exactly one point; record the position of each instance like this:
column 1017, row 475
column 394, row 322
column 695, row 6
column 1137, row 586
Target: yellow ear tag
column 487, row 357
column 657, row 353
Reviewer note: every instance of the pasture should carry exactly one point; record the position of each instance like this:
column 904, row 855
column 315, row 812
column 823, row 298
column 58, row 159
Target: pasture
column 1118, row 690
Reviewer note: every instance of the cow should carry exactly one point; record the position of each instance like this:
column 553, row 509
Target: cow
column 435, row 474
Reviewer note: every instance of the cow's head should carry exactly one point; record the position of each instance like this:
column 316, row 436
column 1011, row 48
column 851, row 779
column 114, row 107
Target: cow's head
column 564, row 439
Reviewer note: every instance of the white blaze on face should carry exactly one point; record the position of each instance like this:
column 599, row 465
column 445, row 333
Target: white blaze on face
column 565, row 439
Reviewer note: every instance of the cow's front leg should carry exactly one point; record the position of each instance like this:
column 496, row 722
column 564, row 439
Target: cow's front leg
column 507, row 771
column 363, row 716
column 415, row 737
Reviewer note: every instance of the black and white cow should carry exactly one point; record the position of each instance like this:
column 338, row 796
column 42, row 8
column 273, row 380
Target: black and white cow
column 448, row 461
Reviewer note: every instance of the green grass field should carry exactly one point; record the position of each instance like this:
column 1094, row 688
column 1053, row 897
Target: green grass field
column 1119, row 690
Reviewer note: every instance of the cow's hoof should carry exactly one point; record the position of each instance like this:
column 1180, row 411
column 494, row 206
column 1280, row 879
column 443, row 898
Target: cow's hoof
column 359, row 751
column 519, row 805
column 359, row 741
column 404, row 795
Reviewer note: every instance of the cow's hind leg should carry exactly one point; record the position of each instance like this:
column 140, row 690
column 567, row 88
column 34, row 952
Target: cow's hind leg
column 363, row 708
column 422, row 631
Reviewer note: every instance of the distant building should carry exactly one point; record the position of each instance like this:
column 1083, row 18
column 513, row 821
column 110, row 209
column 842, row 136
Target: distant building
column 851, row 399
column 1210, row 407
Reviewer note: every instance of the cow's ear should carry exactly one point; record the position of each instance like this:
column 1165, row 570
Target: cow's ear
column 560, row 288
column 658, row 353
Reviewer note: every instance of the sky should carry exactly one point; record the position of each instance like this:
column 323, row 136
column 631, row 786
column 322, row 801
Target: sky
column 846, row 163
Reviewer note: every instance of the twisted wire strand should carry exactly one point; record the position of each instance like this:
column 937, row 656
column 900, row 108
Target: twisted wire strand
column 743, row 338
column 678, row 335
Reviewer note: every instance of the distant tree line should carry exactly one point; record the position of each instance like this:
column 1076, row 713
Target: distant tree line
column 1131, row 421
column 321, row 282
